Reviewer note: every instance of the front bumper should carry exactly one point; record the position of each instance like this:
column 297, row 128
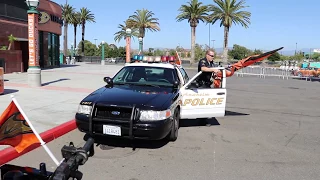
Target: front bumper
column 148, row 130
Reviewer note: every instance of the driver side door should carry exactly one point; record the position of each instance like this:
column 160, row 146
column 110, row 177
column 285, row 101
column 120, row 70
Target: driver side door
column 199, row 102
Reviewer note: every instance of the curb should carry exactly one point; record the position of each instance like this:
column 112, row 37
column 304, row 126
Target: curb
column 10, row 153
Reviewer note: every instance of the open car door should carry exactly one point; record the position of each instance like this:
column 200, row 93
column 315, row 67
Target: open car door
column 200, row 102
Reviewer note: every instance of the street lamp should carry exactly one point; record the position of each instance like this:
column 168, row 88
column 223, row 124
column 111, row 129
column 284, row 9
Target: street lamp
column 140, row 44
column 34, row 71
column 102, row 54
column 128, row 43
column 72, row 50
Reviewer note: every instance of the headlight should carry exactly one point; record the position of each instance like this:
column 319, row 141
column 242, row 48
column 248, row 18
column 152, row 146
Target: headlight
column 84, row 109
column 154, row 115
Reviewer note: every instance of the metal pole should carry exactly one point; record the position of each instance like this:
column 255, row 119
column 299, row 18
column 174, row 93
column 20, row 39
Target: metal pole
column 128, row 43
column 213, row 44
column 34, row 71
column 209, row 36
column 102, row 54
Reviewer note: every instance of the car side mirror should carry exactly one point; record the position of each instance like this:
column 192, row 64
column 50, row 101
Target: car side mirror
column 108, row 80
column 176, row 84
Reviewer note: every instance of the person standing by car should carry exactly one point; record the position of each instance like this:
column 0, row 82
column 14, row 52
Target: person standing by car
column 205, row 65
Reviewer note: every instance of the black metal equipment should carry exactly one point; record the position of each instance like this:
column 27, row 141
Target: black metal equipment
column 73, row 158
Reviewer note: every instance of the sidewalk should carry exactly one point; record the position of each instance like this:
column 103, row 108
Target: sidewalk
column 56, row 102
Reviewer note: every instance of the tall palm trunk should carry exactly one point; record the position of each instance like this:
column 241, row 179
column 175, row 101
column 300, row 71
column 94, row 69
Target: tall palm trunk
column 225, row 44
column 75, row 35
column 65, row 38
column 82, row 43
column 193, row 43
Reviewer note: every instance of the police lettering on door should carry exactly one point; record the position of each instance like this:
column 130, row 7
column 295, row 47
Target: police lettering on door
column 202, row 101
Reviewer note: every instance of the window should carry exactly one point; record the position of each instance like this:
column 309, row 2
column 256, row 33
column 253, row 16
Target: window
column 145, row 76
column 197, row 84
column 53, row 49
column 184, row 74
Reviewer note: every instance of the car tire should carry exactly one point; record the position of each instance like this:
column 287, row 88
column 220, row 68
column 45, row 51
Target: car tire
column 173, row 135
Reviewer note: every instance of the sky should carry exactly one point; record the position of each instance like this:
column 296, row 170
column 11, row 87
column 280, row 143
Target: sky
column 274, row 24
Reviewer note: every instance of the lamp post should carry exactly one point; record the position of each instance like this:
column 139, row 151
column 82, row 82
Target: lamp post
column 140, row 44
column 72, row 50
column 102, row 54
column 128, row 43
column 212, row 44
column 34, row 71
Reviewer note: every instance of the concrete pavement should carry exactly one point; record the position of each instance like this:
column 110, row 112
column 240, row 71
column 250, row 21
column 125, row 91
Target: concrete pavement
column 57, row 100
column 271, row 131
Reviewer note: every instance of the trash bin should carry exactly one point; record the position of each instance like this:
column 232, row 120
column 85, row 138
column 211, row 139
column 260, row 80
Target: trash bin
column 1, row 81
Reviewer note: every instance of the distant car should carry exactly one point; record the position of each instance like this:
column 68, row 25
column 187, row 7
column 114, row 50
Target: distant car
column 306, row 72
column 147, row 101
column 112, row 60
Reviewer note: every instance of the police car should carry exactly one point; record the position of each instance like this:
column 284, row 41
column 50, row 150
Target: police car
column 147, row 100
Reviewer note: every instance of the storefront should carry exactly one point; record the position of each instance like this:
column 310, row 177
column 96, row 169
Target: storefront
column 13, row 20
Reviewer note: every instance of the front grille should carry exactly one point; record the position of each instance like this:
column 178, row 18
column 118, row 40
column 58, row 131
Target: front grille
column 113, row 113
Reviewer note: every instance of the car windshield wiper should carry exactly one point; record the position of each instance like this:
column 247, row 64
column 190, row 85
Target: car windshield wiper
column 152, row 85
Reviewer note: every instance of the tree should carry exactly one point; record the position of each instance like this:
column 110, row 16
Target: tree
column 275, row 57
column 11, row 39
column 194, row 12
column 121, row 34
column 200, row 51
column 75, row 21
column 228, row 12
column 144, row 20
column 89, row 49
column 239, row 52
column 256, row 52
column 67, row 11
column 85, row 16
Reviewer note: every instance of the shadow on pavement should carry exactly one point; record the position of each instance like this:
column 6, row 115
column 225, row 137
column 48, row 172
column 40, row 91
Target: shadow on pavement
column 47, row 83
column 199, row 122
column 10, row 91
column 232, row 113
column 312, row 79
column 110, row 143
column 61, row 66
column 207, row 121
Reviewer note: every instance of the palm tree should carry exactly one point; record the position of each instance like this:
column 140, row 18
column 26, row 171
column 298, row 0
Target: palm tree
column 67, row 11
column 194, row 12
column 143, row 20
column 75, row 22
column 122, row 33
column 85, row 16
column 229, row 12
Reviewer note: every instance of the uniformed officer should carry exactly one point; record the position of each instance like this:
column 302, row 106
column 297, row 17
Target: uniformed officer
column 205, row 65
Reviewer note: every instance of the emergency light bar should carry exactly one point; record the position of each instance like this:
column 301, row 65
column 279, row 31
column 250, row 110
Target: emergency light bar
column 155, row 59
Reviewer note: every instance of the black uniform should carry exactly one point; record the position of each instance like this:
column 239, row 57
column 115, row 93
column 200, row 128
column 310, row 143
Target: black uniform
column 204, row 79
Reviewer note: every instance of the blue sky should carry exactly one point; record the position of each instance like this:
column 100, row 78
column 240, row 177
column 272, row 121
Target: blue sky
column 274, row 23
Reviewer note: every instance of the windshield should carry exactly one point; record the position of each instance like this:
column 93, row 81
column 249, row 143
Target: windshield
column 157, row 76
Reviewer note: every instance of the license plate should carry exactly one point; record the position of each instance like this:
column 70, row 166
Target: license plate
column 112, row 130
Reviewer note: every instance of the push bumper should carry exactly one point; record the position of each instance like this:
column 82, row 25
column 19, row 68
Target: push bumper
column 148, row 130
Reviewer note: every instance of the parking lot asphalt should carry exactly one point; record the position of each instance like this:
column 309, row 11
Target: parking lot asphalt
column 270, row 131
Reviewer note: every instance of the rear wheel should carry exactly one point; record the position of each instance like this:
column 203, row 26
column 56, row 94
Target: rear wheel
column 173, row 135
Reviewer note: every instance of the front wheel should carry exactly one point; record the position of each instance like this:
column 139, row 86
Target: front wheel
column 173, row 135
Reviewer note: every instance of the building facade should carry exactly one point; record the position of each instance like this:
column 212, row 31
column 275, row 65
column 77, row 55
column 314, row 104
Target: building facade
column 14, row 20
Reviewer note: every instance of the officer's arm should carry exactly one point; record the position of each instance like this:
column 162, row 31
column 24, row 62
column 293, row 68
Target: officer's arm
column 206, row 69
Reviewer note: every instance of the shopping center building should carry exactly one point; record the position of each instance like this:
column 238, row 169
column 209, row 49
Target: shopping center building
column 14, row 20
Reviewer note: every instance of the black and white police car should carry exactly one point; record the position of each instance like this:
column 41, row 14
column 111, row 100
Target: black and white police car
column 147, row 100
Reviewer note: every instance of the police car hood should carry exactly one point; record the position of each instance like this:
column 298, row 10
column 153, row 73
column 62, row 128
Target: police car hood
column 144, row 97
